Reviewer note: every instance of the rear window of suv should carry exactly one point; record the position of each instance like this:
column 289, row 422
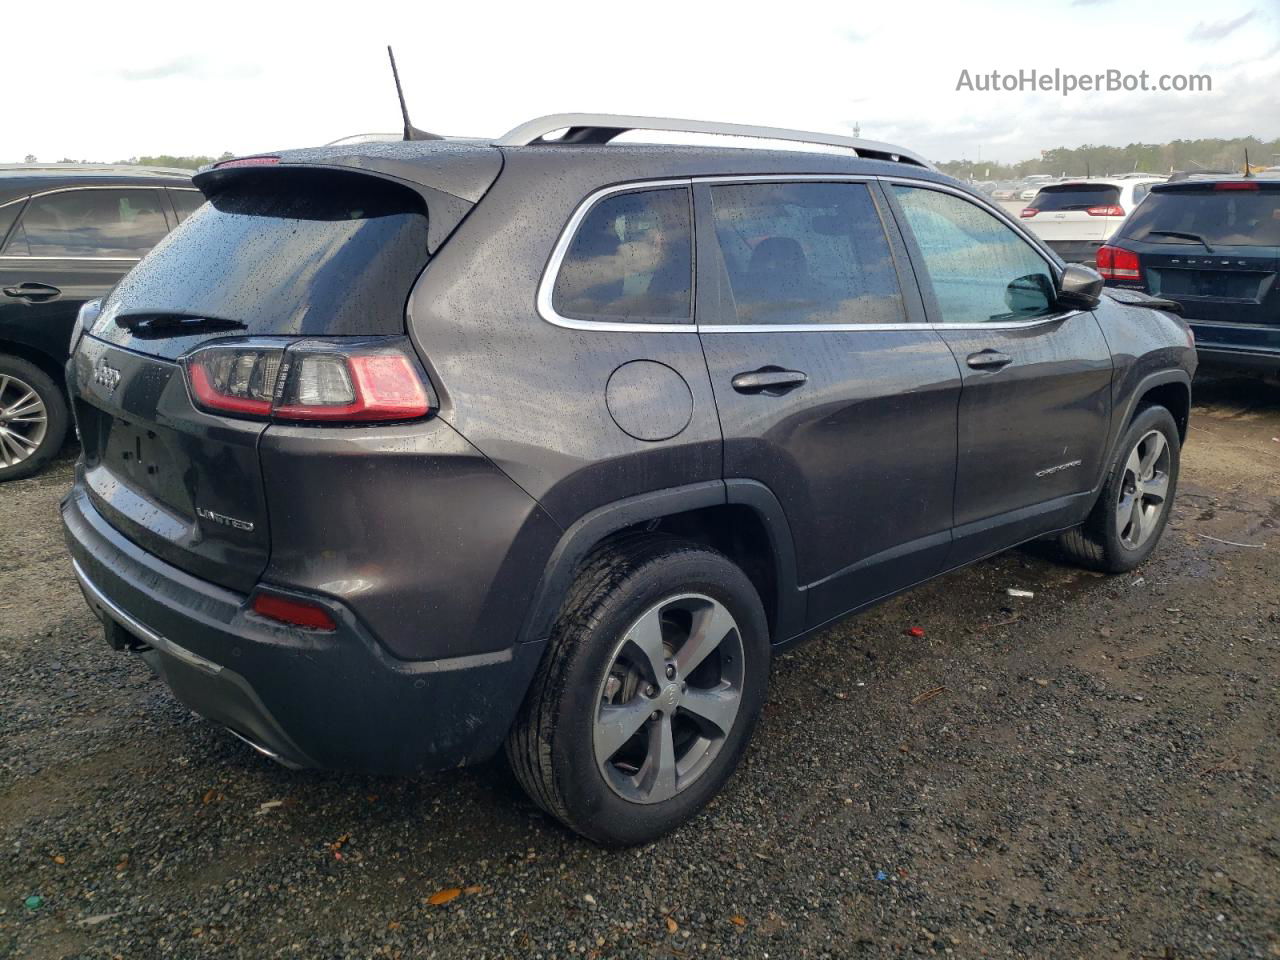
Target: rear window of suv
column 286, row 252
column 1075, row 196
column 1248, row 217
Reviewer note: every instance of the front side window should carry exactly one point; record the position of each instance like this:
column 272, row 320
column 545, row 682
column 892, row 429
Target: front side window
column 805, row 253
column 89, row 223
column 980, row 269
column 630, row 261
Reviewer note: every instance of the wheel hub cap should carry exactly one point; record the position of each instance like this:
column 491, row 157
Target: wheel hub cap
column 1144, row 490
column 23, row 421
column 669, row 699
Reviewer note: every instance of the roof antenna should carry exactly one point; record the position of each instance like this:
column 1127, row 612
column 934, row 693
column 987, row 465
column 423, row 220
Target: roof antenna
column 410, row 131
column 1248, row 172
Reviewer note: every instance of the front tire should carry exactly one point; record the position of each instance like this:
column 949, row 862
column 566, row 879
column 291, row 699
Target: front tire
column 648, row 692
column 1133, row 508
column 33, row 418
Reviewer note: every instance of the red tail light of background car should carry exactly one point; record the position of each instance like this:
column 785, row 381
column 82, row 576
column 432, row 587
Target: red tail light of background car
column 1116, row 263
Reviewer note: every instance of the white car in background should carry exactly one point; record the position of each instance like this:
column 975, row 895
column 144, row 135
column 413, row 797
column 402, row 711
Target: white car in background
column 1075, row 217
column 1033, row 183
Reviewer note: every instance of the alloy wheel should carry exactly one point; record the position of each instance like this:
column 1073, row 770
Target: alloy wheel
column 669, row 698
column 23, row 420
column 1144, row 490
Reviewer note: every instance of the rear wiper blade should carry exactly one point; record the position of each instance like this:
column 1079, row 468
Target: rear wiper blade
column 1184, row 235
column 154, row 326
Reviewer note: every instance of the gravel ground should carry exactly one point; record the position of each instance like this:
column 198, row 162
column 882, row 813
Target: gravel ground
column 1093, row 772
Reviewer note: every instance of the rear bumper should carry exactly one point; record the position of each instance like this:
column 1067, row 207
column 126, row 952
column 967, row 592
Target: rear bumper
column 1239, row 346
column 335, row 700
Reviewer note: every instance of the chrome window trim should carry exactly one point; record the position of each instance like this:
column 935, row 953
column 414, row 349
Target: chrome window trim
column 101, row 186
column 888, row 327
column 10, row 256
column 546, row 285
column 104, row 186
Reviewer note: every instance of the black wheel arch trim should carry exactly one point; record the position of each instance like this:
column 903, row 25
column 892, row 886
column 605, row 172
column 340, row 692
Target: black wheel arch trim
column 589, row 530
column 1121, row 423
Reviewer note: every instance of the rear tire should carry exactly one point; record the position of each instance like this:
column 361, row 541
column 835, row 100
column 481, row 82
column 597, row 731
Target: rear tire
column 33, row 418
column 1131, row 512
column 616, row 739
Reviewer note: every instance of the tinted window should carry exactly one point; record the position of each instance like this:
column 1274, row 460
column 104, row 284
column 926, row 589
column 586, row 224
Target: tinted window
column 186, row 202
column 89, row 223
column 1075, row 196
column 8, row 213
column 631, row 260
column 295, row 253
column 1228, row 217
column 806, row 253
column 980, row 269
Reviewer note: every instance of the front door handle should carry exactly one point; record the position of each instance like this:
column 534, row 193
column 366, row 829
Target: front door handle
column 771, row 381
column 988, row 360
column 32, row 292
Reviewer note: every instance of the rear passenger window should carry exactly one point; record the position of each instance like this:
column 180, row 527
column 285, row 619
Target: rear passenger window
column 631, row 260
column 8, row 212
column 186, row 202
column 980, row 269
column 805, row 253
column 122, row 224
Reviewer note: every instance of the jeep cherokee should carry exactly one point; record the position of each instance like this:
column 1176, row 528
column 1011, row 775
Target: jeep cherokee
column 398, row 453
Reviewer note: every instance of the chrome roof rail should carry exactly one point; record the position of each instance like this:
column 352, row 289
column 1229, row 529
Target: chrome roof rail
column 585, row 128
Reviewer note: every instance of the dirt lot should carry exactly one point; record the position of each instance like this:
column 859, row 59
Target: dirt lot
column 1094, row 772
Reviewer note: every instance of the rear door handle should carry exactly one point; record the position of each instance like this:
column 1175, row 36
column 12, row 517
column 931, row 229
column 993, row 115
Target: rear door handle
column 32, row 292
column 988, row 360
column 772, row 381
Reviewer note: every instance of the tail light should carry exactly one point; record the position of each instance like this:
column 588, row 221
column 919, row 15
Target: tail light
column 1106, row 210
column 294, row 612
column 1117, row 263
column 310, row 380
column 1028, row 212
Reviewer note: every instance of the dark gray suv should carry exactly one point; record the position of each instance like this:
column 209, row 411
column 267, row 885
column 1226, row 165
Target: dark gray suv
column 397, row 453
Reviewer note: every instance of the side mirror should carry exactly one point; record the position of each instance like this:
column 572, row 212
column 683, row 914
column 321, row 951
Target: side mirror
column 1030, row 296
column 1081, row 287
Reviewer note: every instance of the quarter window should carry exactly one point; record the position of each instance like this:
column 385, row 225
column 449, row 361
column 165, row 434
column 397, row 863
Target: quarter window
column 630, row 261
column 89, row 223
column 805, row 253
column 980, row 269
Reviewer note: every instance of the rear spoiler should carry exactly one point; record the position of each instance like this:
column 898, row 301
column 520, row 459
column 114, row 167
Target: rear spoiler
column 1136, row 298
column 451, row 177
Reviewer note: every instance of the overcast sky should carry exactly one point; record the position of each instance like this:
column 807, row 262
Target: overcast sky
column 108, row 81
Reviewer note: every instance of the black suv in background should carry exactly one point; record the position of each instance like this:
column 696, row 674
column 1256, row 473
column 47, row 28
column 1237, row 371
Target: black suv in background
column 67, row 234
column 396, row 453
column 1212, row 244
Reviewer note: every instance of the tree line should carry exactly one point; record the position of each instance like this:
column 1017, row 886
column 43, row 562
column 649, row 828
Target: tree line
column 1226, row 156
column 159, row 160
